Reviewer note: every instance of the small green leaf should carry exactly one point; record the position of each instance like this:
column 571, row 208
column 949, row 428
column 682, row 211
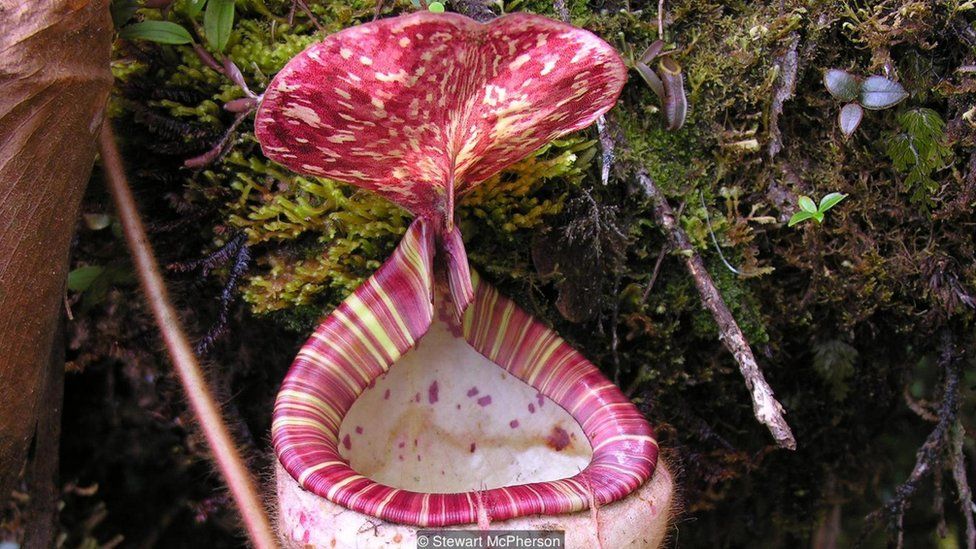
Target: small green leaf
column 436, row 7
column 192, row 8
column 807, row 204
column 818, row 217
column 877, row 92
column 830, row 200
column 841, row 84
column 798, row 217
column 82, row 278
column 218, row 21
column 161, row 32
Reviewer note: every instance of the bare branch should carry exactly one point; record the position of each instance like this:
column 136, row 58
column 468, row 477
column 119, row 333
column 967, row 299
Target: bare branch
column 930, row 456
column 562, row 11
column 607, row 145
column 764, row 404
column 958, row 465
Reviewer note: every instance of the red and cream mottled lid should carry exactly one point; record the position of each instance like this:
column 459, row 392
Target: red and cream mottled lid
column 421, row 107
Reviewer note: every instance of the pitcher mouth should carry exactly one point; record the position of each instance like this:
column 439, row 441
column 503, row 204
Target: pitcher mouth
column 445, row 419
column 347, row 360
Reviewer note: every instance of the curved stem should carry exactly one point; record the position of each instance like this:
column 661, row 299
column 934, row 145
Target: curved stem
column 201, row 400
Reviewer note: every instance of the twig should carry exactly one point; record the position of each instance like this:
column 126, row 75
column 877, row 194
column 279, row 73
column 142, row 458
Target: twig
column 921, row 409
column 764, row 404
column 938, row 506
column 308, row 12
column 201, row 399
column 929, row 457
column 607, row 145
column 222, row 147
column 660, row 259
column 958, row 465
column 562, row 11
column 657, row 269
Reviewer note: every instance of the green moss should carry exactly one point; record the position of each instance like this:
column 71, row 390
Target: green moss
column 745, row 307
column 523, row 196
column 335, row 236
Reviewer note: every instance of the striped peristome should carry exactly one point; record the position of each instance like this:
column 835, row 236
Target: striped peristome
column 419, row 108
column 382, row 320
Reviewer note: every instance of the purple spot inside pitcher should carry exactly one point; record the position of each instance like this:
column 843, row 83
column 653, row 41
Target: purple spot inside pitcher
column 432, row 392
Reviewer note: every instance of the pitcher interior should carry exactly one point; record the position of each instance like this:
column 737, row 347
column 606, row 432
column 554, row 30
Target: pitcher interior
column 446, row 419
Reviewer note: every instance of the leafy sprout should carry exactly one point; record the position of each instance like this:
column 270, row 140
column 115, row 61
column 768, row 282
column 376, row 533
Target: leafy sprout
column 918, row 149
column 810, row 210
column 218, row 22
column 434, row 7
column 873, row 93
column 161, row 32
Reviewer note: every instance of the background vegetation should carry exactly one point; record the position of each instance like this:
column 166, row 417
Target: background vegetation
column 858, row 321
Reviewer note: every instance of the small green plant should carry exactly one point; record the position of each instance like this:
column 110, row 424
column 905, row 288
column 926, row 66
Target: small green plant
column 93, row 282
column 873, row 93
column 810, row 210
column 218, row 21
column 434, row 7
column 918, row 149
